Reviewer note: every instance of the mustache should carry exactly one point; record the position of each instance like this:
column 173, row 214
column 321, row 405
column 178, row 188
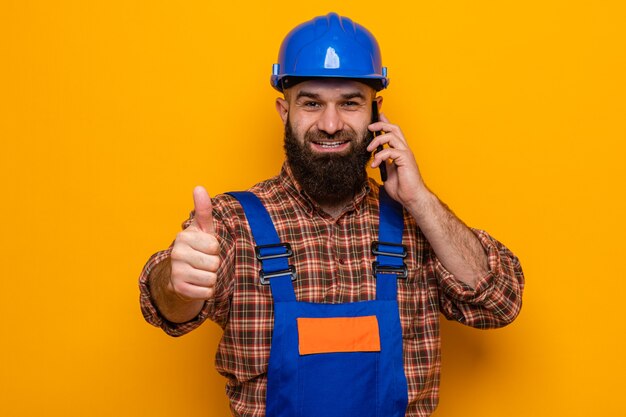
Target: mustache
column 340, row 135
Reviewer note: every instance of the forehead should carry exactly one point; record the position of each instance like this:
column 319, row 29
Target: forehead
column 330, row 88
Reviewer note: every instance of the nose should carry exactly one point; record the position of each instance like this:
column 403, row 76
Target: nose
column 330, row 121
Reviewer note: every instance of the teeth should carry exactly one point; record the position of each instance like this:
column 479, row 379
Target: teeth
column 329, row 144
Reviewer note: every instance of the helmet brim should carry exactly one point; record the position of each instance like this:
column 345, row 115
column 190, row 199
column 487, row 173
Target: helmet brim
column 288, row 81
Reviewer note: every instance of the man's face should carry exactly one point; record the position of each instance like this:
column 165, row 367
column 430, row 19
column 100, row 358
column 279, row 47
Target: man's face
column 326, row 136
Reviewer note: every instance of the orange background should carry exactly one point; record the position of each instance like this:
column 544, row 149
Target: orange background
column 110, row 113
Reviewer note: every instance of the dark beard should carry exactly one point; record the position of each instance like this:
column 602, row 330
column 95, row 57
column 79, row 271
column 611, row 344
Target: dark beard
column 328, row 178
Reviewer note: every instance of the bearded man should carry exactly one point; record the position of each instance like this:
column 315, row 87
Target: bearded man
column 328, row 286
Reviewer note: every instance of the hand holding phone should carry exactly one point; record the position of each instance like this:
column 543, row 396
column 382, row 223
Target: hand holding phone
column 383, row 165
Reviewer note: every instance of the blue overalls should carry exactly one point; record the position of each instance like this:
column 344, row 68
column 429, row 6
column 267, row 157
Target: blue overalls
column 333, row 360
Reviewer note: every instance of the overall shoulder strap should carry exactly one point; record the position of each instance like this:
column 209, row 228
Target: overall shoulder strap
column 388, row 249
column 269, row 250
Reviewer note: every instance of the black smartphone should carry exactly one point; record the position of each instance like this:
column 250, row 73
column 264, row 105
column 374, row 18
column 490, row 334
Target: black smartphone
column 383, row 165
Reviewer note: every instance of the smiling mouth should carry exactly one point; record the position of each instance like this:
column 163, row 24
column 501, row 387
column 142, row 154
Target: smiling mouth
column 330, row 145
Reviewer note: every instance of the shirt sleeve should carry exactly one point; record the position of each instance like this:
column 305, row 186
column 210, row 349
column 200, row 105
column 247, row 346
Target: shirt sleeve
column 497, row 299
column 215, row 309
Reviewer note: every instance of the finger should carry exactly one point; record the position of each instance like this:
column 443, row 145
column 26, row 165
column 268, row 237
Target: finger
column 199, row 278
column 387, row 128
column 191, row 283
column 377, row 159
column 193, row 292
column 388, row 138
column 390, row 127
column 203, row 262
column 376, row 126
column 397, row 156
column 382, row 124
column 203, row 210
column 199, row 241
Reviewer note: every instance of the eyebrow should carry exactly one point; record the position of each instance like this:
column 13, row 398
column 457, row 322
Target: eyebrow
column 356, row 94
column 307, row 94
column 314, row 96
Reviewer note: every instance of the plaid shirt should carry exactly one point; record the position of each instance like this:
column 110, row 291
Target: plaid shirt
column 334, row 265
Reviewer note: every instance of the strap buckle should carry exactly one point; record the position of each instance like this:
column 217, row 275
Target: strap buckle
column 266, row 276
column 401, row 271
column 288, row 252
column 377, row 251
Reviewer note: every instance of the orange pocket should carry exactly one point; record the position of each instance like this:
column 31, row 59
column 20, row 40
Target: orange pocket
column 338, row 334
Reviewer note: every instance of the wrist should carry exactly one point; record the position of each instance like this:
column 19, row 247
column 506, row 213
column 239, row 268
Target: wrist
column 423, row 204
column 172, row 306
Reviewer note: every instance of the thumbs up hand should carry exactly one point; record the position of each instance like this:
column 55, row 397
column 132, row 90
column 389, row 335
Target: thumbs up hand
column 195, row 254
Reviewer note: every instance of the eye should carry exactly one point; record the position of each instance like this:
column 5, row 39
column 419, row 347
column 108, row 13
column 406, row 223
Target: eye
column 311, row 104
column 351, row 105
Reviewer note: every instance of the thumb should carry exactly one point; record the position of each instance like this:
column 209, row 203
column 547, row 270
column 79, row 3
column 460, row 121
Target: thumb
column 203, row 210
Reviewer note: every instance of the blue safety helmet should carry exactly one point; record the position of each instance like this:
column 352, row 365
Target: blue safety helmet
column 329, row 46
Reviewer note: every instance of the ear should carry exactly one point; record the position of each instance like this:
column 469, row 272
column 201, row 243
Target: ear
column 379, row 101
column 282, row 107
